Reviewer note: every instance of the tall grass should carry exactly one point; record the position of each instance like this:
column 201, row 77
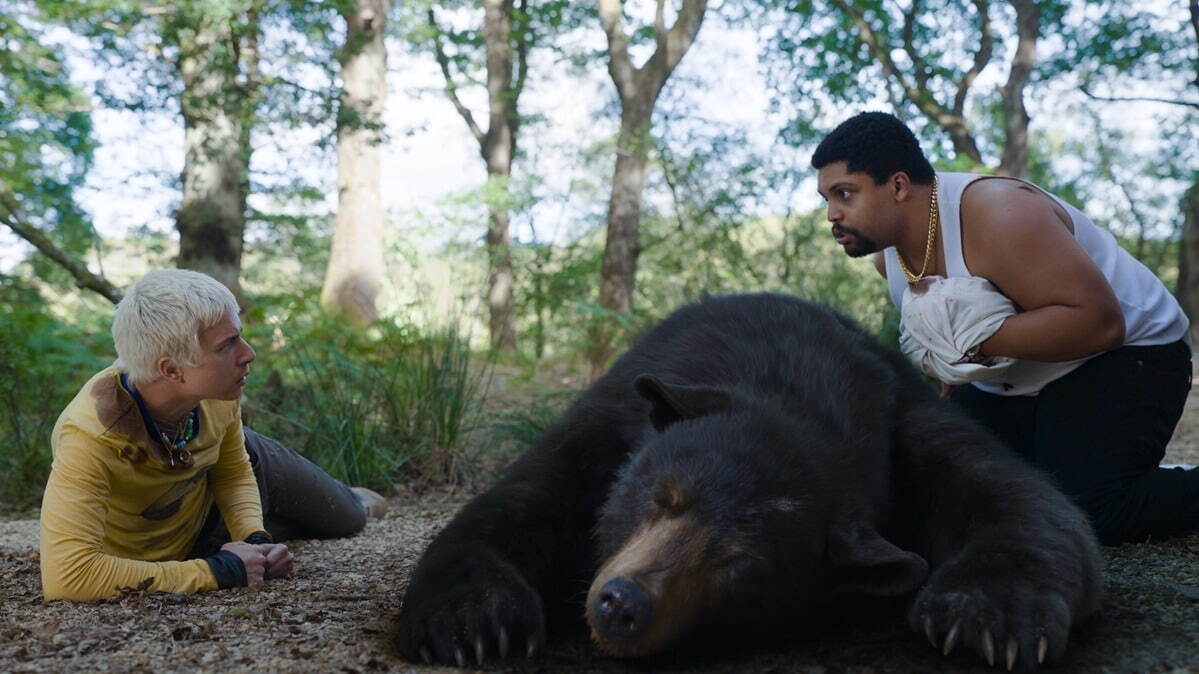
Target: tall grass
column 514, row 429
column 373, row 409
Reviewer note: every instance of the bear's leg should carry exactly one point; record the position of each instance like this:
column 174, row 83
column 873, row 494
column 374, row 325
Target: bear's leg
column 1014, row 563
column 482, row 587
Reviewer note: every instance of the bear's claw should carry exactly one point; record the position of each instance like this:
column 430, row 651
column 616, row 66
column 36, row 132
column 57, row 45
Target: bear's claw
column 951, row 639
column 1013, row 628
column 476, row 619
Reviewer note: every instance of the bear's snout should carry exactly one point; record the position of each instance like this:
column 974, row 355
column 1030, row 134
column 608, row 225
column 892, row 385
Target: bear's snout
column 653, row 589
column 622, row 610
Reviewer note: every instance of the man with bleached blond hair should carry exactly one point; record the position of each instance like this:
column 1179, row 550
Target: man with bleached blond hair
column 150, row 457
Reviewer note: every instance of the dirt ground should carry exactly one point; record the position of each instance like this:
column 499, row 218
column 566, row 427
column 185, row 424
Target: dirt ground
column 338, row 612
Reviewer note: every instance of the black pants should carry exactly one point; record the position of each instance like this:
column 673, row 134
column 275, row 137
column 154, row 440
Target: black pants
column 1101, row 432
column 299, row 500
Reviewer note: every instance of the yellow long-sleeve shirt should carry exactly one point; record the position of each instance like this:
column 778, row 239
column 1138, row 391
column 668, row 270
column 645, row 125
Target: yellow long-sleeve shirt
column 116, row 511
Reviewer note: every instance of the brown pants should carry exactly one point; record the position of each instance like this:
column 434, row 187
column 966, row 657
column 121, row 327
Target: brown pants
column 299, row 500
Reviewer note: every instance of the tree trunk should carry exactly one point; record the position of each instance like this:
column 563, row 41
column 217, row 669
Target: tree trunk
column 621, row 246
column 1188, row 258
column 356, row 268
column 498, row 146
column 1188, row 252
column 211, row 217
column 638, row 89
column 500, row 296
column 1015, row 117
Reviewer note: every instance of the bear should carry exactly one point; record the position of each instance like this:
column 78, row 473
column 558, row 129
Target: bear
column 752, row 461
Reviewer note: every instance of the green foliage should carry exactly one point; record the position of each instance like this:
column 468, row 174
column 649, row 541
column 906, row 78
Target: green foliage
column 794, row 254
column 702, row 230
column 43, row 362
column 701, row 238
column 710, row 234
column 555, row 293
column 374, row 407
column 46, row 140
column 515, row 429
column 1111, row 43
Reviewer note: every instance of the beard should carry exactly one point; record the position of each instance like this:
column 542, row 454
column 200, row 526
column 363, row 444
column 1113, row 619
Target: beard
column 859, row 245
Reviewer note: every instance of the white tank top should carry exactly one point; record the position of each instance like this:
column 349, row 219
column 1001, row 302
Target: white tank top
column 1151, row 314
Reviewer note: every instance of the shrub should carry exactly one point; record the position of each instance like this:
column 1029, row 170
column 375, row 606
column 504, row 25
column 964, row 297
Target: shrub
column 371, row 407
column 43, row 362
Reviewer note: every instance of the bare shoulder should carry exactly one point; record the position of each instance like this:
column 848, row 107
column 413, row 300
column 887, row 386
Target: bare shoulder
column 1004, row 219
column 1010, row 206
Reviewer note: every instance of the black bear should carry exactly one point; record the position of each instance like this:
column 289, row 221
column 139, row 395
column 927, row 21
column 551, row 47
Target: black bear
column 751, row 461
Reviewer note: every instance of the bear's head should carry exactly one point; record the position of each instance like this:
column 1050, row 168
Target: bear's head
column 729, row 520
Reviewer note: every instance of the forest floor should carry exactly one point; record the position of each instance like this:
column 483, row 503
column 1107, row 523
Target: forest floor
column 337, row 614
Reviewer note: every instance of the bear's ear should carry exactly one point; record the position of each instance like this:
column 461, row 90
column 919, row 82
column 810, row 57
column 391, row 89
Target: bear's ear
column 866, row 564
column 674, row 402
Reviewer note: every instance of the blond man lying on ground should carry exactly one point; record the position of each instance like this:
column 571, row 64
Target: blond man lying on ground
column 151, row 456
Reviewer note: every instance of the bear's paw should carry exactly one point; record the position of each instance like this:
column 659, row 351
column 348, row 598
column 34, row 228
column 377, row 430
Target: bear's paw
column 1013, row 624
column 486, row 616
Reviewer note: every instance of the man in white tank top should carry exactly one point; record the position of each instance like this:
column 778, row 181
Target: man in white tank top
column 1102, row 358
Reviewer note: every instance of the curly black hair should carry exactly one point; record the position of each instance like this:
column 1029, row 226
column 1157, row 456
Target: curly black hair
column 877, row 144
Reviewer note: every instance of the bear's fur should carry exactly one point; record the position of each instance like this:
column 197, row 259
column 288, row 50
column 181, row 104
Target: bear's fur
column 752, row 460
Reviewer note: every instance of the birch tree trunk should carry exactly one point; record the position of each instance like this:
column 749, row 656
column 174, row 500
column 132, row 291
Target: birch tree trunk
column 356, row 267
column 638, row 89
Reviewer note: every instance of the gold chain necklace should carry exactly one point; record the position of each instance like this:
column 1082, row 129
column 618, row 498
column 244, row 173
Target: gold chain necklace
column 933, row 218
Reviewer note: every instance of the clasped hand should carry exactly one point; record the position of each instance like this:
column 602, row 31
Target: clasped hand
column 262, row 560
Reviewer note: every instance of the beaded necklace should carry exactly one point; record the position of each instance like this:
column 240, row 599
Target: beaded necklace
column 187, row 430
column 178, row 445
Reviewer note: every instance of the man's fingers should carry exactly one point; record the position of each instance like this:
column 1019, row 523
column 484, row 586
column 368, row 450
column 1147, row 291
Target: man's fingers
column 255, row 569
column 252, row 558
column 280, row 567
column 277, row 553
column 279, row 559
